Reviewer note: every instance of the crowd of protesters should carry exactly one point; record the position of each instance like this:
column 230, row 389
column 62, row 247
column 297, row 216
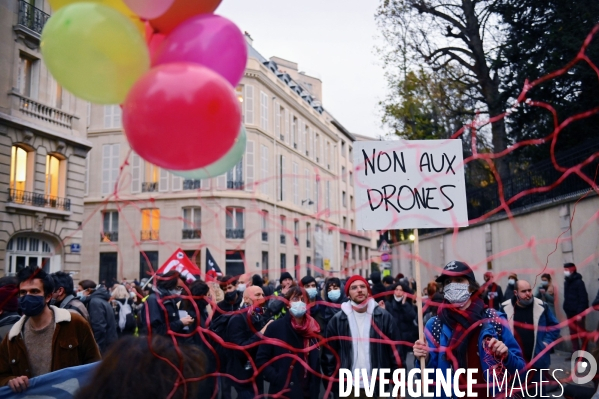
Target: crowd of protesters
column 207, row 338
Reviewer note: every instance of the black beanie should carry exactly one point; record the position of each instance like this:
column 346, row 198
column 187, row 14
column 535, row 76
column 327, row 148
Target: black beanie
column 285, row 276
column 257, row 280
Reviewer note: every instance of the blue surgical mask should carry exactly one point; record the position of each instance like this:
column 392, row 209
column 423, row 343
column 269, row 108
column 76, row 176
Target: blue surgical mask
column 81, row 295
column 32, row 305
column 298, row 309
column 334, row 295
column 544, row 283
column 312, row 292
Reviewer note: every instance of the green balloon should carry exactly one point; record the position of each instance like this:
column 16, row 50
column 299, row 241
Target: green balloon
column 221, row 166
column 94, row 51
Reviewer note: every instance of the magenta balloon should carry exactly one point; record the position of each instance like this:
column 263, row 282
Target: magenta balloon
column 209, row 40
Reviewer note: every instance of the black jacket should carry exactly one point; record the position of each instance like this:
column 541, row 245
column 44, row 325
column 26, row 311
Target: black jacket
column 509, row 292
column 243, row 330
column 101, row 318
column 287, row 373
column 203, row 340
column 493, row 296
column 596, row 301
column 158, row 321
column 330, row 309
column 404, row 315
column 382, row 355
column 576, row 299
column 226, row 307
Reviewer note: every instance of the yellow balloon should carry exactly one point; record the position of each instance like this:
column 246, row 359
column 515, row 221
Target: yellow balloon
column 118, row 5
column 94, row 52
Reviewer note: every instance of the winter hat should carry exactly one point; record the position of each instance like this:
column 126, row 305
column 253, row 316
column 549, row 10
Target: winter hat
column 353, row 279
column 569, row 265
column 456, row 268
column 8, row 298
column 307, row 280
column 285, row 276
column 257, row 280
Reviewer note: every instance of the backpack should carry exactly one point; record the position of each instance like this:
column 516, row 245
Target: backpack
column 126, row 318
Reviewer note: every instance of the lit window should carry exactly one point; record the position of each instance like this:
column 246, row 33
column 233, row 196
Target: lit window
column 150, row 224
column 18, row 169
column 52, row 175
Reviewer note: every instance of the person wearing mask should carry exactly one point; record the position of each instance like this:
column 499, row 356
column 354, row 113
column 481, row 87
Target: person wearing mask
column 576, row 301
column 276, row 307
column 232, row 299
column 122, row 305
column 300, row 331
column 64, row 294
column 492, row 294
column 101, row 314
column 511, row 284
column 359, row 318
column 451, row 343
column 404, row 314
column 334, row 297
column 535, row 328
column 546, row 292
column 314, row 307
column 46, row 338
column 9, row 304
column 162, row 314
column 243, row 330
column 245, row 280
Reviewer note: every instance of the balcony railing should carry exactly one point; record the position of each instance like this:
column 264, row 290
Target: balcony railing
column 109, row 236
column 192, row 234
column 150, row 235
column 308, row 243
column 31, row 17
column 44, row 112
column 147, row 187
column 265, row 236
column 192, row 184
column 235, row 184
column 283, row 239
column 36, row 199
column 235, row 233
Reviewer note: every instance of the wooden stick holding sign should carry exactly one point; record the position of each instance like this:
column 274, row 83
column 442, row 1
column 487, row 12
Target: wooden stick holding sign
column 410, row 185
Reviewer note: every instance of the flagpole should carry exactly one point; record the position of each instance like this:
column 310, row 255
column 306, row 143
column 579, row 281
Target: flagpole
column 419, row 301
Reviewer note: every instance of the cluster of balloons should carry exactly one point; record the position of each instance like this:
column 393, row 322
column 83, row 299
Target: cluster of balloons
column 172, row 65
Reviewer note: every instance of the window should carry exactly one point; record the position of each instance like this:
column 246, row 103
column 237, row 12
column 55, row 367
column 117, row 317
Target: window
column 343, row 174
column 294, row 132
column 234, row 223
column 54, row 176
column 344, row 198
column 283, row 236
column 317, row 145
column 351, row 202
column 296, row 232
column 249, row 166
column 110, row 167
column 350, row 154
column 353, row 251
column 264, row 184
column 264, row 219
column 151, row 178
column 58, row 95
column 27, row 76
column 150, row 224
column 19, row 169
column 234, row 263
column 110, row 226
column 308, row 235
column 343, row 149
column 112, row 116
column 278, row 122
column 235, row 176
column 239, row 91
column 281, row 178
column 264, row 111
column 295, row 184
column 317, row 191
column 305, row 134
column 148, row 263
column 344, row 223
column 283, row 263
column 28, row 251
column 264, row 264
column 327, row 195
column 351, row 179
column 307, row 183
column 192, row 223
column 352, row 225
column 248, row 117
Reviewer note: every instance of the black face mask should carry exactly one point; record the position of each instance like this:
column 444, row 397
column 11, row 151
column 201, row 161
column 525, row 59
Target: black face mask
column 32, row 305
column 231, row 296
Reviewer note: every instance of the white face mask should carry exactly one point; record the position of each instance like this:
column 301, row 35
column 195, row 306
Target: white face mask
column 241, row 287
column 511, row 281
column 457, row 293
column 397, row 298
column 567, row 273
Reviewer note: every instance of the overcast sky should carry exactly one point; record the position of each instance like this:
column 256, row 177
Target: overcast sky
column 333, row 40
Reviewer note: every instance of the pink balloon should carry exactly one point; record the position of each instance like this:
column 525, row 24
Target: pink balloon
column 181, row 116
column 149, row 9
column 209, row 40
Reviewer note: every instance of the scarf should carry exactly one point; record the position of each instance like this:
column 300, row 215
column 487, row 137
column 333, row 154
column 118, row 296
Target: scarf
column 459, row 321
column 307, row 329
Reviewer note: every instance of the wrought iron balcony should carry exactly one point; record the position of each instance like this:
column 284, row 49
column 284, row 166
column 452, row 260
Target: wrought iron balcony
column 31, row 17
column 235, row 184
column 265, row 236
column 109, row 236
column 192, row 184
column 36, row 199
column 192, row 234
column 283, row 238
column 150, row 235
column 147, row 187
column 308, row 243
column 235, row 233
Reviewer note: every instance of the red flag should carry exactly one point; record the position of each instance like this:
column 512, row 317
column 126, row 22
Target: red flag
column 181, row 263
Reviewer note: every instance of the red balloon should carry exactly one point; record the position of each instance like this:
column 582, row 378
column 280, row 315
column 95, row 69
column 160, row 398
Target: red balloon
column 182, row 10
column 181, row 116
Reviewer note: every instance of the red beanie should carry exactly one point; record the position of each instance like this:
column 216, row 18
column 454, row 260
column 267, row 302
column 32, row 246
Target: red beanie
column 356, row 278
column 8, row 298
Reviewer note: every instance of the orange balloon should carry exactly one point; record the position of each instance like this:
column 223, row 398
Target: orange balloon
column 182, row 10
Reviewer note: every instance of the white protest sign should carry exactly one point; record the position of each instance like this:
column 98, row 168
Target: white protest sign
column 409, row 184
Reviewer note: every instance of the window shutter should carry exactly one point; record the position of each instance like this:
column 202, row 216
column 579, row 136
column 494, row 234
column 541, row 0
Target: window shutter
column 205, row 184
column 287, row 129
column 282, row 178
column 107, row 116
column 116, row 116
column 163, row 180
column 114, row 165
column 277, row 120
column 265, row 183
column 249, row 104
column 295, row 184
column 221, row 182
column 105, row 169
column 135, row 173
column 87, row 162
column 177, row 183
column 307, row 182
column 249, row 166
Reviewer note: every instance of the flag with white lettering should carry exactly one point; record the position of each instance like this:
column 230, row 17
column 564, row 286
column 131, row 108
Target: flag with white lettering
column 212, row 269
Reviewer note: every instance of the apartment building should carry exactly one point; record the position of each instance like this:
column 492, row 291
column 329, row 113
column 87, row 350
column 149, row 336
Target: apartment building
column 43, row 150
column 279, row 209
